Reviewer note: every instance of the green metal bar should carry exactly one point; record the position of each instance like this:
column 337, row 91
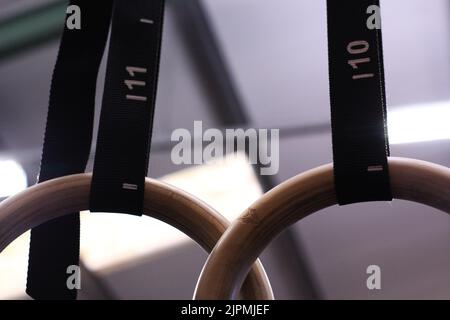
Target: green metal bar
column 31, row 28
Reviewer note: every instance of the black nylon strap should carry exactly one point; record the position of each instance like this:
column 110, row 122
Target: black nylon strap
column 358, row 104
column 123, row 144
column 54, row 245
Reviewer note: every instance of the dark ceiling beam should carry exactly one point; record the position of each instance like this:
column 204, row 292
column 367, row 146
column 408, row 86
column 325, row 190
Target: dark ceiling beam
column 232, row 112
column 31, row 28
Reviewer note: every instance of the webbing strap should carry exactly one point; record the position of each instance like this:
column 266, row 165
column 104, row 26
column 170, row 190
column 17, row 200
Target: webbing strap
column 358, row 103
column 54, row 245
column 123, row 144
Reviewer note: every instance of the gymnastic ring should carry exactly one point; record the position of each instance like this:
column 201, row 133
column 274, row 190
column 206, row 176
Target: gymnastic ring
column 296, row 198
column 55, row 198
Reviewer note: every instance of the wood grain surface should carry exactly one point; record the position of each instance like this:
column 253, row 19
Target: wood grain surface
column 295, row 199
column 55, row 198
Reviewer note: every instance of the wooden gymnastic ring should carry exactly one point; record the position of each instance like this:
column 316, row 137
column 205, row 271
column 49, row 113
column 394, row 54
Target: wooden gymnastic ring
column 295, row 199
column 55, row 198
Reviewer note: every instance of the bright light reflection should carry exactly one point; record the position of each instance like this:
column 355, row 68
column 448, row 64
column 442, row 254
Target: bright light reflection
column 13, row 178
column 426, row 122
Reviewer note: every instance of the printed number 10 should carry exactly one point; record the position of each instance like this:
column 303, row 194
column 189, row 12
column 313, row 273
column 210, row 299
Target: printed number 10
column 357, row 48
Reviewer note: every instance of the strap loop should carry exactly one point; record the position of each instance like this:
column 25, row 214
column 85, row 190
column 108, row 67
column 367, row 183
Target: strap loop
column 358, row 103
column 125, row 129
column 55, row 245
column 123, row 144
